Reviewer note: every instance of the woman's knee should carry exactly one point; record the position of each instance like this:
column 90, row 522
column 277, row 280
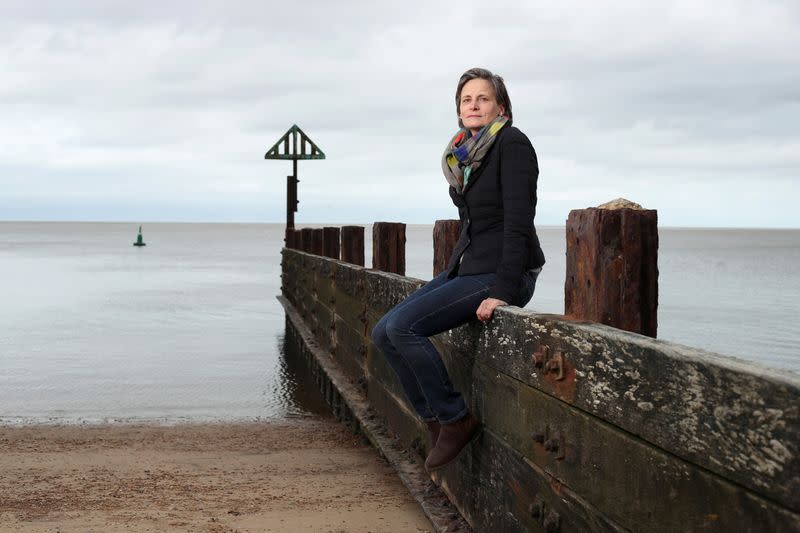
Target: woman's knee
column 380, row 335
column 397, row 326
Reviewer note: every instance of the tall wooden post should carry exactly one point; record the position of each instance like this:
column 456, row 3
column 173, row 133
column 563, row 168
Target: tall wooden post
column 612, row 266
column 306, row 239
column 353, row 244
column 291, row 197
column 389, row 247
column 294, row 145
column 330, row 242
column 445, row 236
column 291, row 238
column 316, row 241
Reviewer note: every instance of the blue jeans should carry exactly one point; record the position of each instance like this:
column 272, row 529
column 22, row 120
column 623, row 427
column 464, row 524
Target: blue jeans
column 402, row 336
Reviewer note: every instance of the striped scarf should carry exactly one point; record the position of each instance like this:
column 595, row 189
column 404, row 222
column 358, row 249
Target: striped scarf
column 464, row 153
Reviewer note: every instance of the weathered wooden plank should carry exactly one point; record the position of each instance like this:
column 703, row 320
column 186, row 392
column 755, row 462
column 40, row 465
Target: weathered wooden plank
column 349, row 349
column 500, row 495
column 349, row 279
column 350, row 296
column 397, row 415
column 385, row 290
column 612, row 469
column 735, row 418
column 287, row 280
column 379, row 370
column 305, row 294
column 324, row 285
column 324, row 333
column 496, row 489
column 460, row 365
column 297, row 269
column 351, row 311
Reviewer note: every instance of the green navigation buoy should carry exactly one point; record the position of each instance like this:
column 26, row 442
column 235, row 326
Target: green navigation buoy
column 139, row 241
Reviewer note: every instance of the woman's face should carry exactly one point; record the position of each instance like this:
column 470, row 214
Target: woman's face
column 478, row 105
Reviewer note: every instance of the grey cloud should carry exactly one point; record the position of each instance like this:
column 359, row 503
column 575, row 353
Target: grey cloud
column 183, row 98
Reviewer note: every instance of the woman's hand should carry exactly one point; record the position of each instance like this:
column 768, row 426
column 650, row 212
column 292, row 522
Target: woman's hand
column 486, row 309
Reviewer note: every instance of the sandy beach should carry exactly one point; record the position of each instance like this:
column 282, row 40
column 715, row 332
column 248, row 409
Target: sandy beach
column 297, row 475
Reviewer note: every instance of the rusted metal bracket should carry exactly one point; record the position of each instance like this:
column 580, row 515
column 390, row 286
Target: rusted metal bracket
column 556, row 365
column 552, row 364
column 536, row 509
column 555, row 445
column 540, row 356
column 552, row 442
column 552, row 522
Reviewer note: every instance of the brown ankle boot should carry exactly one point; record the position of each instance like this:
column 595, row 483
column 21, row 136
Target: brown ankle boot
column 453, row 438
column 433, row 429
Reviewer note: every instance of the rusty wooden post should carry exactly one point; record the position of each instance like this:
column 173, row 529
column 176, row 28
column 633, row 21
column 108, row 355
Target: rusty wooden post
column 330, row 242
column 612, row 270
column 389, row 247
column 306, row 239
column 445, row 236
column 353, row 244
column 289, row 240
column 316, row 241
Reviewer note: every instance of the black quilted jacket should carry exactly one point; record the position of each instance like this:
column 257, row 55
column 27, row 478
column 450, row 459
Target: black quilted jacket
column 496, row 233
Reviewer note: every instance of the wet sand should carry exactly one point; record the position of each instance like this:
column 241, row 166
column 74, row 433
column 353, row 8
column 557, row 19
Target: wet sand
column 299, row 475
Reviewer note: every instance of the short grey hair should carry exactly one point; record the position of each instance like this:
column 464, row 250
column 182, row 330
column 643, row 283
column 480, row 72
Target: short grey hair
column 499, row 86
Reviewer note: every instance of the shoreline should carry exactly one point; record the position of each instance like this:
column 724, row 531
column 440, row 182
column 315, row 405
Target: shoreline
column 279, row 475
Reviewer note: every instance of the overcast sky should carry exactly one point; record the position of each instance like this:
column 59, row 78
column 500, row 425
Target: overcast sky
column 144, row 111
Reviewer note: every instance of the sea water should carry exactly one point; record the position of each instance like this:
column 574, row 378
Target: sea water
column 188, row 327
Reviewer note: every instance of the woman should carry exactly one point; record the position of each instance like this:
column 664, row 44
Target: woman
column 492, row 171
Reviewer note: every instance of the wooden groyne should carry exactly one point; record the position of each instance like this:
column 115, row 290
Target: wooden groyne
column 586, row 427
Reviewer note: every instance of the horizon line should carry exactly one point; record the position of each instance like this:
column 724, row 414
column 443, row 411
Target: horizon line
column 331, row 224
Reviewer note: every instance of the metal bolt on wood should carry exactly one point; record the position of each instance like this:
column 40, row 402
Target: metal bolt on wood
column 536, row 509
column 540, row 356
column 552, row 523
